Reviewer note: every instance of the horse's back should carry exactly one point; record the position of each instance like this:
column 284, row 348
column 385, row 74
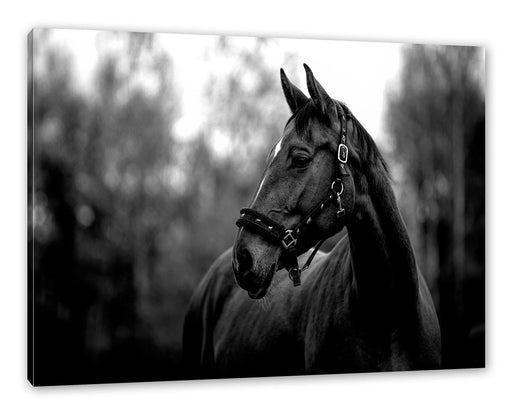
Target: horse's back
column 204, row 309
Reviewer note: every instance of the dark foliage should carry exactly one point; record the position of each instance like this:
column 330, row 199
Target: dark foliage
column 437, row 123
column 124, row 218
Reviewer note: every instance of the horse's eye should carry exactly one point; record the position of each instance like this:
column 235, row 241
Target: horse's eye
column 300, row 161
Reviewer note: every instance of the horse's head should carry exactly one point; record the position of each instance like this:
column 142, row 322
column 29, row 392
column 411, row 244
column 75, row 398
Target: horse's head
column 305, row 192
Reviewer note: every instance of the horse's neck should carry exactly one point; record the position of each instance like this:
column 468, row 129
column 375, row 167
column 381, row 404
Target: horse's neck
column 383, row 262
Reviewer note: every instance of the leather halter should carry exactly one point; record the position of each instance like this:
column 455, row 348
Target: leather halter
column 277, row 234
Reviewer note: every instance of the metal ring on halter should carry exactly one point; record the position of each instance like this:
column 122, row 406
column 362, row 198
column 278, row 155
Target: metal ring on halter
column 338, row 193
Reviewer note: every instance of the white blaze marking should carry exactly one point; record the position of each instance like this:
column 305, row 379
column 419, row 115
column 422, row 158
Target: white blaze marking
column 277, row 148
column 261, row 185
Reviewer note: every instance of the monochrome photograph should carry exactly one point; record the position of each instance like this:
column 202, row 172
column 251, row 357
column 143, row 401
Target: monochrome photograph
column 217, row 206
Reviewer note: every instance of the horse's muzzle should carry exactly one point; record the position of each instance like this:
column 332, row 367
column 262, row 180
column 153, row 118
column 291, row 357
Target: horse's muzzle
column 255, row 286
column 262, row 290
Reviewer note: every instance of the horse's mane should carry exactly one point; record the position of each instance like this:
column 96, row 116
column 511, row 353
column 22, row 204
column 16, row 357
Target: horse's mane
column 366, row 148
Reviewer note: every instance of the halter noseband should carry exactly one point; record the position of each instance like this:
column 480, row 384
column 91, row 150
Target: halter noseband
column 277, row 234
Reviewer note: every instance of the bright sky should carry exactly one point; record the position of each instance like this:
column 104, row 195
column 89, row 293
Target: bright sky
column 357, row 73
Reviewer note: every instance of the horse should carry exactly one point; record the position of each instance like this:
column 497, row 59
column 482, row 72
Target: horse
column 362, row 307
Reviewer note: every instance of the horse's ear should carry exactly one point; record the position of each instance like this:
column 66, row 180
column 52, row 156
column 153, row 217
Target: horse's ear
column 321, row 99
column 294, row 96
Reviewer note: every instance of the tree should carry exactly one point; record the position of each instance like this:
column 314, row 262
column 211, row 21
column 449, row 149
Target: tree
column 101, row 203
column 433, row 118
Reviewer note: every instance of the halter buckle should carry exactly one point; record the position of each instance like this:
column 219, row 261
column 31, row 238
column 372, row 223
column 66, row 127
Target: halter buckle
column 342, row 153
column 289, row 240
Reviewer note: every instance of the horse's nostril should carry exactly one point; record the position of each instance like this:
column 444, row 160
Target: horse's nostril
column 244, row 261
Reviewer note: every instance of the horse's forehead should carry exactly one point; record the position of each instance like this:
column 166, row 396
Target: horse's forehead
column 314, row 131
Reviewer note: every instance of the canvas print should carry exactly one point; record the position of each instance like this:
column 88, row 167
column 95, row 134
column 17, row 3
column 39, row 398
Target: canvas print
column 212, row 206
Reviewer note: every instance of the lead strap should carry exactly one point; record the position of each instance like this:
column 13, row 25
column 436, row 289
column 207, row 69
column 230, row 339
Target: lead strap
column 294, row 273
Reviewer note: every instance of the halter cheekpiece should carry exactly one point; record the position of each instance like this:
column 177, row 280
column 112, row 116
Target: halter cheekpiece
column 275, row 233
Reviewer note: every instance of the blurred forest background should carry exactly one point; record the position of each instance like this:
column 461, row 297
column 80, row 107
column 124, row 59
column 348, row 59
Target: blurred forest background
column 123, row 214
